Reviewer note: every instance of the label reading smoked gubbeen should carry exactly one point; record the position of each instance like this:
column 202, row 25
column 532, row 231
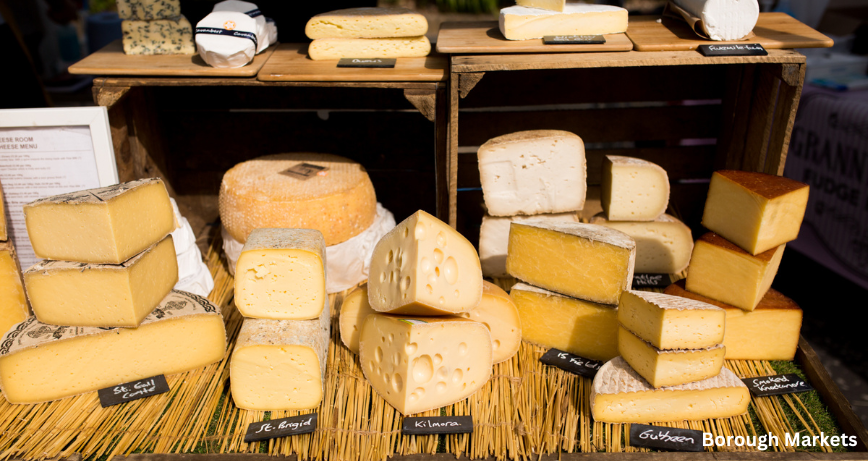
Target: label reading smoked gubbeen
column 135, row 390
column 733, row 49
column 665, row 438
column 574, row 39
column 764, row 386
column 284, row 427
column 437, row 425
column 572, row 363
column 382, row 63
column 651, row 280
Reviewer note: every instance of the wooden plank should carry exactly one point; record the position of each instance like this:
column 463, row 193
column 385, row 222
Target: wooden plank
column 147, row 144
column 452, row 155
column 281, row 98
column 485, row 37
column 736, row 111
column 785, row 118
column 759, row 125
column 441, row 154
column 189, row 82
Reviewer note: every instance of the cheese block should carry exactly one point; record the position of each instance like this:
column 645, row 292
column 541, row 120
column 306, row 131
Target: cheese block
column 4, row 233
column 13, row 302
column 280, row 364
column 533, row 172
column 494, row 239
column 769, row 332
column 227, row 39
column 102, row 295
column 148, row 10
column 421, row 363
column 250, row 9
column 324, row 49
column 671, row 322
column 424, row 267
column 723, row 19
column 620, row 395
column 663, row 246
column 572, row 325
column 553, row 5
column 331, row 194
column 354, row 310
column 522, row 23
column 722, row 271
column 280, row 275
column 669, row 367
column 383, row 22
column 584, row 261
column 40, row 362
column 633, row 189
column 756, row 211
column 161, row 36
column 497, row 311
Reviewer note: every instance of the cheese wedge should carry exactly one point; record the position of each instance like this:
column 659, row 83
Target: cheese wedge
column 324, row 49
column 13, row 302
column 553, row 5
column 380, row 22
column 494, row 239
column 522, row 23
column 671, row 322
column 4, row 234
column 663, row 246
column 354, row 310
column 669, row 367
column 633, row 189
column 498, row 313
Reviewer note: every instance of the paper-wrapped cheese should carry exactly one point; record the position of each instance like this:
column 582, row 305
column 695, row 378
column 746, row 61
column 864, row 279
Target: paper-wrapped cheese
column 227, row 39
column 250, row 9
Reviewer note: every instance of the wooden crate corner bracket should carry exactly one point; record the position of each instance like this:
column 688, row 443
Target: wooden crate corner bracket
column 108, row 96
column 467, row 82
column 423, row 100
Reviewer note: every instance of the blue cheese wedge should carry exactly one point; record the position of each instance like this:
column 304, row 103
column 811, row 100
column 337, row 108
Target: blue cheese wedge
column 149, row 10
column 163, row 36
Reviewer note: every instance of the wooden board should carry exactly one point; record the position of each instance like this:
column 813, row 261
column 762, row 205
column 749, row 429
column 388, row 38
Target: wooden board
column 485, row 37
column 111, row 60
column 290, row 63
column 773, row 31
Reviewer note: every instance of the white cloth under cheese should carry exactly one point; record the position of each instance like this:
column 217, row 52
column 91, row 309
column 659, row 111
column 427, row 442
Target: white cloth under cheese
column 193, row 273
column 271, row 28
column 250, row 9
column 522, row 23
column 724, row 19
column 226, row 39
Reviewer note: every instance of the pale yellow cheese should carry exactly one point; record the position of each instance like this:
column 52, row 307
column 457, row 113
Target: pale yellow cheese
column 663, row 246
column 553, row 5
column 354, row 310
column 102, row 295
column 494, row 239
column 522, row 23
column 633, row 189
column 13, row 303
column 671, row 322
column 380, row 22
column 498, row 313
column 108, row 225
column 4, row 235
column 421, row 363
column 324, row 49
column 669, row 367
column 424, row 267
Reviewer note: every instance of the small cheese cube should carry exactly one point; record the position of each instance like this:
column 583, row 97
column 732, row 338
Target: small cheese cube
column 424, row 267
column 418, row 364
column 553, row 5
column 584, row 261
column 367, row 23
column 494, row 239
column 102, row 295
column 756, row 211
column 354, row 310
column 498, row 313
column 671, row 322
column 280, row 275
column 663, row 246
column 522, row 23
column 161, row 36
column 148, row 10
column 669, row 367
column 633, row 189
column 722, row 271
column 13, row 302
column 324, row 49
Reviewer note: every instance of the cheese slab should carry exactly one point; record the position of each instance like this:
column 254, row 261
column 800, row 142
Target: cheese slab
column 497, row 311
column 553, row 5
column 723, row 19
column 354, row 310
column 671, row 322
column 494, row 239
column 108, row 225
column 325, row 49
column 160, row 36
column 669, row 367
column 633, row 189
column 383, row 22
column 522, row 23
column 663, row 246
column 13, row 302
column 40, row 363
column 149, row 10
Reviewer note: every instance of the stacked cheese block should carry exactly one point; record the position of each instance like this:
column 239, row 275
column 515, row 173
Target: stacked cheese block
column 368, row 33
column 155, row 27
column 534, row 19
column 13, row 302
column 103, row 300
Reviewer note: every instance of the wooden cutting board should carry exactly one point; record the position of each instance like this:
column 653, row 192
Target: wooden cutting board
column 484, row 37
column 773, row 31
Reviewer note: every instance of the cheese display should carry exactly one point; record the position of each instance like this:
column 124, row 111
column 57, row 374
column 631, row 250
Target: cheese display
column 669, row 367
column 421, row 363
column 331, row 194
column 424, row 267
column 720, row 270
column 102, row 295
column 40, row 362
column 671, row 322
column 250, row 9
column 323, row 49
column 584, row 261
column 354, row 310
column 13, row 302
column 533, row 172
column 498, row 313
column 161, row 36
column 281, row 275
column 620, row 395
column 663, row 246
column 633, row 189
column 108, row 225
column 572, row 325
column 522, row 23
column 756, row 211
column 227, row 39
column 367, row 23
column 723, row 19
column 494, row 239
column 554, row 5
column 148, row 10
column 769, row 332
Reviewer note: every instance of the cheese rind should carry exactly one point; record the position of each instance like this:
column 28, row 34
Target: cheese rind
column 669, row 367
column 354, row 310
column 553, row 5
column 633, row 189
column 724, row 19
column 497, row 311
column 521, row 23
column 13, row 302
column 367, row 23
column 148, row 10
column 324, row 49
column 161, row 36
column 671, row 322
column 494, row 239
column 4, row 234
column 663, row 246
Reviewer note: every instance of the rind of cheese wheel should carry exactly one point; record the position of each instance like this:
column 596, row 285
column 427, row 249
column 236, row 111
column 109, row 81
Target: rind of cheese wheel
column 339, row 202
column 325, row 49
column 663, row 246
column 498, row 313
column 13, row 302
column 724, row 19
column 671, row 322
column 553, row 5
column 633, row 189
column 620, row 395
column 522, row 23
column 669, row 367
column 382, row 22
column 354, row 310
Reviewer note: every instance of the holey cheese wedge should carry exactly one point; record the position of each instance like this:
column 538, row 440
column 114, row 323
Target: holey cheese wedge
column 367, row 23
column 354, row 310
column 633, row 189
column 40, row 362
column 424, row 267
column 663, row 246
column 669, row 367
column 498, row 313
column 671, row 322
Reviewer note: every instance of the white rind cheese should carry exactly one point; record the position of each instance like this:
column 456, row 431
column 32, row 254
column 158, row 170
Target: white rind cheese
column 494, row 239
column 553, row 5
column 250, row 9
column 663, row 246
column 671, row 322
column 324, row 49
column 633, row 189
column 724, row 19
column 367, row 23
column 149, row 10
column 161, row 36
column 521, row 23
column 227, row 51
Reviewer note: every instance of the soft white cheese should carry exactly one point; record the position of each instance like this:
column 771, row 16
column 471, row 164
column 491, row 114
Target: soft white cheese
column 724, row 19
column 226, row 39
column 251, row 10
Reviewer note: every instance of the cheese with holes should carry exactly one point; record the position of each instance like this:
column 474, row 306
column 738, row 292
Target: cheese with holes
column 769, row 332
column 367, row 23
column 553, row 5
column 421, row 363
column 723, row 19
column 494, row 239
column 671, row 322
column 108, row 225
column 424, row 267
column 572, row 325
column 324, row 49
column 4, row 234
column 584, row 261
column 756, row 211
column 40, row 362
column 331, row 194
column 354, row 310
column 620, row 395
column 160, row 36
column 280, row 364
column 633, row 189
column 498, row 313
column 669, row 367
column 522, row 23
column 280, row 275
column 720, row 270
column 148, row 10
column 663, row 246
column 13, row 302
column 533, row 172
column 102, row 295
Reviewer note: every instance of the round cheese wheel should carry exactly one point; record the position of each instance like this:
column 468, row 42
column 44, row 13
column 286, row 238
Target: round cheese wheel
column 305, row 191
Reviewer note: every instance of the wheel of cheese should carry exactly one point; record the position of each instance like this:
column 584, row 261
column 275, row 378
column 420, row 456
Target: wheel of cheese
column 330, row 193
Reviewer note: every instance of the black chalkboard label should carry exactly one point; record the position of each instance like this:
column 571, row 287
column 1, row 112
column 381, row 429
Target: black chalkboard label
column 733, row 49
column 776, row 385
column 285, row 427
column 651, row 280
column 383, row 63
column 574, row 40
column 437, row 425
column 665, row 438
column 132, row 391
column 572, row 363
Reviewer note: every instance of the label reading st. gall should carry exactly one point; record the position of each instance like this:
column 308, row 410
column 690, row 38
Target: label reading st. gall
column 665, row 438
column 572, row 363
column 381, row 63
column 574, row 40
column 285, row 427
column 764, row 386
column 135, row 390
column 733, row 49
column 437, row 425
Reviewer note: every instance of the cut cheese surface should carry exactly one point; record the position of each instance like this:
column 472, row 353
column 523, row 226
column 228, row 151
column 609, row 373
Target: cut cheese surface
column 281, row 275
column 149, row 10
column 723, row 19
column 522, row 23
column 584, row 261
column 380, row 22
column 553, row 5
column 421, row 363
column 633, row 189
column 498, row 313
column 533, row 172
column 720, row 270
column 424, row 267
column 102, row 295
column 669, row 367
column 13, row 302
column 325, row 49
column 569, row 324
column 494, row 239
column 40, row 362
column 671, row 322
column 663, row 246
column 108, row 225
column 160, row 36
column 354, row 310
column 756, row 211
column 4, row 233
column 620, row 395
